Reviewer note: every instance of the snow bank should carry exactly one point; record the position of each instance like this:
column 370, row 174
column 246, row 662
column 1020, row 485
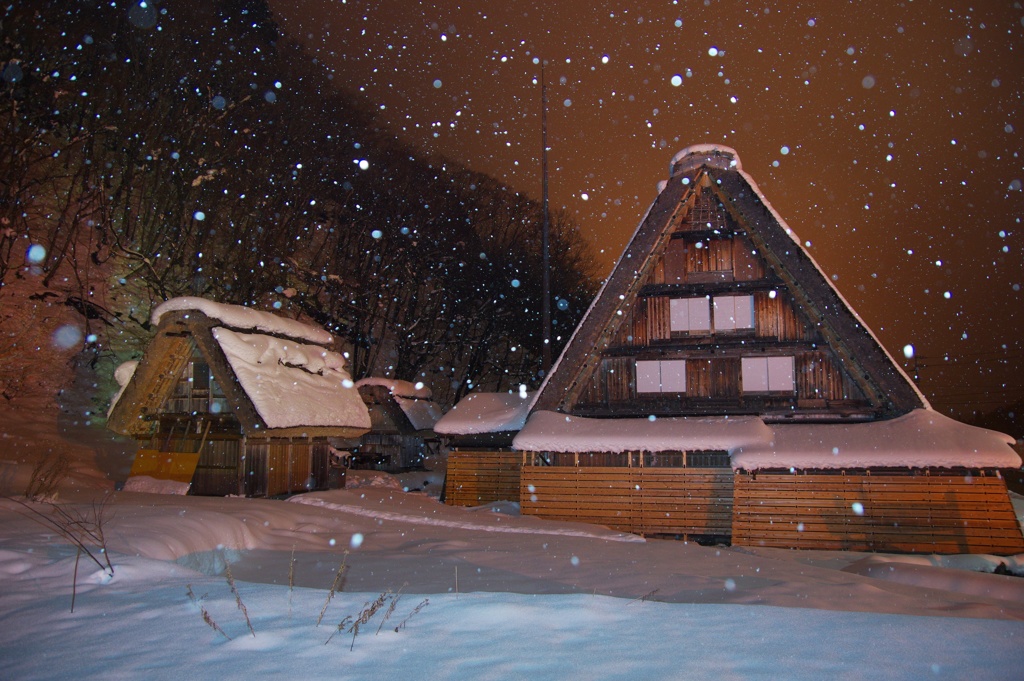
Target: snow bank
column 526, row 527
column 244, row 318
column 553, row 432
column 292, row 384
column 486, row 413
column 921, row 439
column 149, row 485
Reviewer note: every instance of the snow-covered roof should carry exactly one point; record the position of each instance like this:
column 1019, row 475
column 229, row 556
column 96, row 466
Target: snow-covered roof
column 422, row 414
column 414, row 399
column 479, row 413
column 922, row 438
column 293, row 384
column 550, row 431
column 244, row 318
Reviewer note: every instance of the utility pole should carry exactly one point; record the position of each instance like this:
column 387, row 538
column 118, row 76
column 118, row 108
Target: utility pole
column 546, row 225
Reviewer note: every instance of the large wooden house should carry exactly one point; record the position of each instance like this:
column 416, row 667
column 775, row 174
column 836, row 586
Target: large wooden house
column 720, row 386
column 237, row 401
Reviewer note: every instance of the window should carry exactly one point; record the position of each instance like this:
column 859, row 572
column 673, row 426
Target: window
column 768, row 374
column 734, row 312
column 661, row 376
column 690, row 314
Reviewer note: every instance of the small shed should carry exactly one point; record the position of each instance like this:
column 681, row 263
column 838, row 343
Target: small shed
column 236, row 401
column 402, row 418
column 478, row 432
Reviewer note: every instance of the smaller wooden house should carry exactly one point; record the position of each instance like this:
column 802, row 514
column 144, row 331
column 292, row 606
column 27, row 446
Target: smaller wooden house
column 478, row 433
column 237, row 401
column 402, row 418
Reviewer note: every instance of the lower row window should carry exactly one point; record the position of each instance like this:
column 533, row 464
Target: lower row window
column 757, row 374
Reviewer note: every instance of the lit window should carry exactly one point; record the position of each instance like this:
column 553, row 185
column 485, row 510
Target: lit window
column 690, row 314
column 661, row 376
column 768, row 374
column 734, row 312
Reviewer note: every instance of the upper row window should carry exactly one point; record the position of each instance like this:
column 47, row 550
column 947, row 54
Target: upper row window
column 694, row 315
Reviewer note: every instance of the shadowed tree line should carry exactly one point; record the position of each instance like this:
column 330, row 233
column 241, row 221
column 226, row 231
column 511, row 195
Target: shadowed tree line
column 152, row 150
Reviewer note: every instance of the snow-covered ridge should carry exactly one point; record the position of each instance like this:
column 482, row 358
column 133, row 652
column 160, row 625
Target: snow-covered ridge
column 244, row 318
column 695, row 155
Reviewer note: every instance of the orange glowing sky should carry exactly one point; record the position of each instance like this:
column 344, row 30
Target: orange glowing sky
column 887, row 134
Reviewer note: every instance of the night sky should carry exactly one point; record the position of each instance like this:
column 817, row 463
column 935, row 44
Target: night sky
column 887, row 135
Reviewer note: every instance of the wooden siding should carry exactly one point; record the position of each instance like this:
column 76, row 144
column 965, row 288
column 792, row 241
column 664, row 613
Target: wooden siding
column 393, row 452
column 275, row 467
column 776, row 318
column 672, row 501
column 818, row 377
column 219, row 472
column 900, row 513
column 481, row 477
column 713, row 378
column 657, row 322
column 144, row 395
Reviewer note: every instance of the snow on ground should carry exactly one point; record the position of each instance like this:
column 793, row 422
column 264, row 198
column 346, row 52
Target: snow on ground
column 481, row 593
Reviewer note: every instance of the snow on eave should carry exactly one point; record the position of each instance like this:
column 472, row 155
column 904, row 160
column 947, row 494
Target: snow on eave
column 415, row 391
column 480, row 413
column 244, row 319
column 550, row 431
column 922, row 438
column 123, row 374
column 422, row 414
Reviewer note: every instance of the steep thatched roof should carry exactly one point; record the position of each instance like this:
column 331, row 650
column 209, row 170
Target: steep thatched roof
column 278, row 375
column 717, row 169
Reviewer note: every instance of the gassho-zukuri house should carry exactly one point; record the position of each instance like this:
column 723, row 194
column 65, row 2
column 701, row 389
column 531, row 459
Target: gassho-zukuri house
column 232, row 400
column 720, row 387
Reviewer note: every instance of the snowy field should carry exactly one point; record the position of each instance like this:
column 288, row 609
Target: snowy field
column 463, row 594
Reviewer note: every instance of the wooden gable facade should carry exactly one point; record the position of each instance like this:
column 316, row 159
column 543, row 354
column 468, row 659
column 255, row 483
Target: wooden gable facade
column 721, row 387
column 715, row 309
column 197, row 424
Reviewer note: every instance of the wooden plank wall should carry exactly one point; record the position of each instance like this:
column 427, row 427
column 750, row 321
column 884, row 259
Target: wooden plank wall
column 278, row 467
column 897, row 513
column 481, row 477
column 218, row 471
column 676, row 501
